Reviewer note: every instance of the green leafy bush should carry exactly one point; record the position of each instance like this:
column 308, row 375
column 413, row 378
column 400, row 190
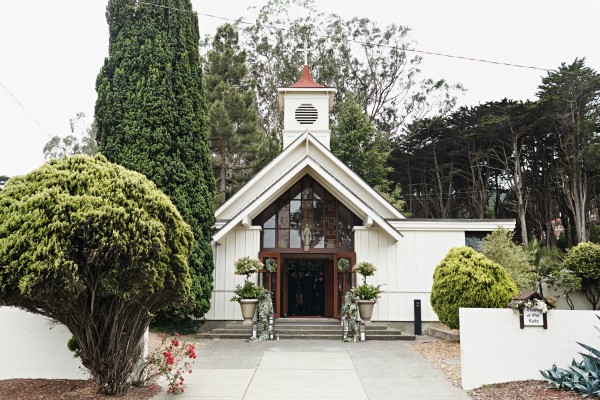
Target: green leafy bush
column 584, row 261
column 365, row 269
column 499, row 247
column 466, row 278
column 249, row 291
column 98, row 248
column 367, row 292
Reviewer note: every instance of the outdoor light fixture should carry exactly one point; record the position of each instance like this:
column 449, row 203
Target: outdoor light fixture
column 363, row 331
column 271, row 327
column 254, row 329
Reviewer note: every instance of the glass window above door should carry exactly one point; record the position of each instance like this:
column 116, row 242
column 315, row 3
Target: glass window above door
column 307, row 215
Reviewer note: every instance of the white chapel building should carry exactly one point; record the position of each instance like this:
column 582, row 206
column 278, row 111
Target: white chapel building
column 306, row 210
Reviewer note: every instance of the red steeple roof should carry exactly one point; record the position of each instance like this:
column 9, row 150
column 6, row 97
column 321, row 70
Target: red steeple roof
column 306, row 80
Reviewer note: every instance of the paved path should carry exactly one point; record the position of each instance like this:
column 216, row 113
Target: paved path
column 313, row 369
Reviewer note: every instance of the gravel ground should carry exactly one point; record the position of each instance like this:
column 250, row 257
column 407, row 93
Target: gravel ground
column 445, row 356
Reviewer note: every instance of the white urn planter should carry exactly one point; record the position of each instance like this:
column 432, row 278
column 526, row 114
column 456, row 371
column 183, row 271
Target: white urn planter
column 248, row 310
column 365, row 308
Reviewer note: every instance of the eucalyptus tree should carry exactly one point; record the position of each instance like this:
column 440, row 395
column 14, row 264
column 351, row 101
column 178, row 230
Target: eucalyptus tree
column 353, row 55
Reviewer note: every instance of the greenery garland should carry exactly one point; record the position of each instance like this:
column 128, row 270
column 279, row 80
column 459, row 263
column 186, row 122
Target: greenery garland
column 350, row 310
column 265, row 308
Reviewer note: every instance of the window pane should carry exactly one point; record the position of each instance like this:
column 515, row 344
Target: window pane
column 269, row 217
column 295, row 241
column 318, row 241
column 317, row 191
column 295, row 192
column 269, row 238
column 284, row 216
column 284, row 238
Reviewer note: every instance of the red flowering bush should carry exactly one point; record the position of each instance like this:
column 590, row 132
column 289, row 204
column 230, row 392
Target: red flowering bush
column 172, row 360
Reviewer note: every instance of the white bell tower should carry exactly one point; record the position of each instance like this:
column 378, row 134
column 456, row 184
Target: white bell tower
column 306, row 105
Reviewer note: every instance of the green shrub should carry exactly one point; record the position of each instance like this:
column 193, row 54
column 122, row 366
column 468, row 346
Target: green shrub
column 584, row 261
column 466, row 278
column 367, row 292
column 98, row 248
column 499, row 247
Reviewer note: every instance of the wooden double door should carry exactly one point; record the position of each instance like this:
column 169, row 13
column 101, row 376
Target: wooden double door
column 307, row 285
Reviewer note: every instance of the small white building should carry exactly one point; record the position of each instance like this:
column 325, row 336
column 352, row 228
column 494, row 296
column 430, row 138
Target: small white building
column 306, row 210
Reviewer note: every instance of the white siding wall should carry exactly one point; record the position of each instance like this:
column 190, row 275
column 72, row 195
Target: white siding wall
column 240, row 242
column 405, row 268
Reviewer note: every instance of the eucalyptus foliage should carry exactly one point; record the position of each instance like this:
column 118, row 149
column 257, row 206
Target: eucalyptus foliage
column 98, row 248
column 150, row 114
column 466, row 278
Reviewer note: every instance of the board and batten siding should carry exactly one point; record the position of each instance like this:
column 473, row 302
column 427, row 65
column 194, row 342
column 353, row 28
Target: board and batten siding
column 405, row 268
column 240, row 242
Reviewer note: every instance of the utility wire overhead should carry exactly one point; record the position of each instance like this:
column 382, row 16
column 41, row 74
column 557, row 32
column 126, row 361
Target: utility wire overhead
column 433, row 53
column 24, row 109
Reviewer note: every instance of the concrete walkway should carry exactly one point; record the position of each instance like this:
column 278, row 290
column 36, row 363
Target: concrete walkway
column 316, row 370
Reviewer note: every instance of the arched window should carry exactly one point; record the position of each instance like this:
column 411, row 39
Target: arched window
column 307, row 205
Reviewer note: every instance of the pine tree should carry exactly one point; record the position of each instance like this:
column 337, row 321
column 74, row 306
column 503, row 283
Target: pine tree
column 150, row 114
column 357, row 144
column 238, row 147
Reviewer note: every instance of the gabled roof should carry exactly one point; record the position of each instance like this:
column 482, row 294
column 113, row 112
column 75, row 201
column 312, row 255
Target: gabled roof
column 305, row 155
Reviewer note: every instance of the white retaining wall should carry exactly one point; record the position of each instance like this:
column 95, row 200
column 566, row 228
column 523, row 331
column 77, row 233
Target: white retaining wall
column 34, row 346
column 494, row 349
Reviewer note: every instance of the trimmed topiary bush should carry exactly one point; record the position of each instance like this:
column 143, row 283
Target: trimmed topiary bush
column 98, row 248
column 466, row 278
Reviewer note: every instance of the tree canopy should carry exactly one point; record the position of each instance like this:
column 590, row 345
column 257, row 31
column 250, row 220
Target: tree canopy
column 99, row 249
column 239, row 148
column 150, row 114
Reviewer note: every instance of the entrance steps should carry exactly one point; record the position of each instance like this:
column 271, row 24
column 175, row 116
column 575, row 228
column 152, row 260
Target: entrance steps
column 305, row 328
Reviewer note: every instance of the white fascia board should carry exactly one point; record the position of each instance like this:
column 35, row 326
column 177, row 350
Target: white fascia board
column 466, row 225
column 287, row 180
column 357, row 179
column 252, row 182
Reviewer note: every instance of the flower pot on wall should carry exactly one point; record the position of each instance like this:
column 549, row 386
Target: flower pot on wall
column 365, row 308
column 248, row 310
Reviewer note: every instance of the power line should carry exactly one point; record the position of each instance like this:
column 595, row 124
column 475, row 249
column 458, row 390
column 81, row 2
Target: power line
column 363, row 43
column 24, row 109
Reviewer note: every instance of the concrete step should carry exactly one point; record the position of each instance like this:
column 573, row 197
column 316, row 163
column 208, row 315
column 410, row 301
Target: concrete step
column 304, row 328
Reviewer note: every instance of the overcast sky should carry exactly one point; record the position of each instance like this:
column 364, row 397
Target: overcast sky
column 51, row 52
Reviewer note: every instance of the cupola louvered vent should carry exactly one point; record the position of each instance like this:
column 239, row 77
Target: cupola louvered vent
column 306, row 114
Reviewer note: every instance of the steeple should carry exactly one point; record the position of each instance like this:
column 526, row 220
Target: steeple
column 306, row 105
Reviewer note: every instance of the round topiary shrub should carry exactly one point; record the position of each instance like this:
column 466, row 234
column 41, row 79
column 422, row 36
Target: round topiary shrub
column 466, row 278
column 98, row 248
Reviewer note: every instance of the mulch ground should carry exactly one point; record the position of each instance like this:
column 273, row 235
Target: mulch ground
column 61, row 389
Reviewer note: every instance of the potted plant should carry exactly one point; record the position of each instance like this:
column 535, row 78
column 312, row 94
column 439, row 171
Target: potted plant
column 247, row 295
column 366, row 294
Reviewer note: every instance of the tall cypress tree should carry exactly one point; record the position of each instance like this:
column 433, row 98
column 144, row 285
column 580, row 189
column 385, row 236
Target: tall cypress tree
column 150, row 114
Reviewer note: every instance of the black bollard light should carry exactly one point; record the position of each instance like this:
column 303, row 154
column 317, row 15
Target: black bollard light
column 418, row 317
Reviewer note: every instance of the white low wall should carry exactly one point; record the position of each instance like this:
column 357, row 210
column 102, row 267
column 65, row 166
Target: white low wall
column 35, row 347
column 494, row 349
